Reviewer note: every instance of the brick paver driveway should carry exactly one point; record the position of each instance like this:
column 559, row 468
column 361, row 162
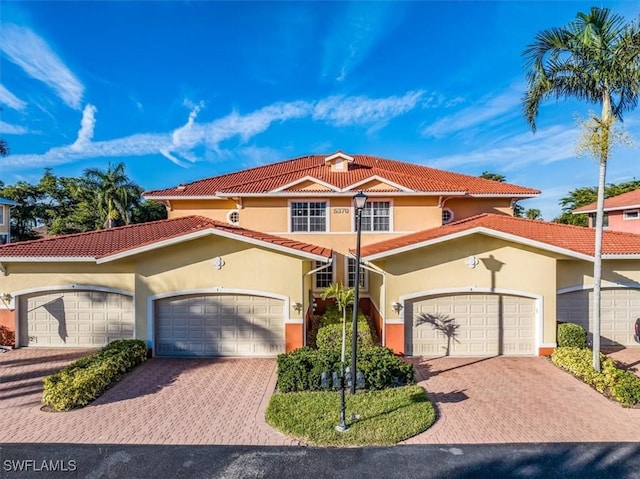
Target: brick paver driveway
column 502, row 399
column 163, row 401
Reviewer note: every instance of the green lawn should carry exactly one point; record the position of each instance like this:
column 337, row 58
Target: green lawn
column 385, row 417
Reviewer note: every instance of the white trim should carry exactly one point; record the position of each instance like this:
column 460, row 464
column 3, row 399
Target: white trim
column 398, row 186
column 68, row 287
column 606, row 210
column 183, row 197
column 504, row 195
column 327, row 215
column 621, row 256
column 340, row 194
column 636, row 211
column 48, row 259
column 213, row 291
column 391, row 217
column 605, row 284
column 394, row 320
column 339, row 154
column 2, row 214
column 345, row 276
column 307, row 178
column 480, row 230
column 229, row 213
column 538, row 315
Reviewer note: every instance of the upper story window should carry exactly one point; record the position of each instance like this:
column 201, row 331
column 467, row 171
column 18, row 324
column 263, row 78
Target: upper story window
column 447, row 216
column 351, row 275
column 308, row 216
column 324, row 277
column 1, row 214
column 605, row 219
column 631, row 214
column 376, row 216
column 4, row 238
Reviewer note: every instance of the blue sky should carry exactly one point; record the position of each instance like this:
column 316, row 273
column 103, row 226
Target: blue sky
column 186, row 90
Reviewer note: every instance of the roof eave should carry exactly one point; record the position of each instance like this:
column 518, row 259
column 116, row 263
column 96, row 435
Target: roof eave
column 47, row 259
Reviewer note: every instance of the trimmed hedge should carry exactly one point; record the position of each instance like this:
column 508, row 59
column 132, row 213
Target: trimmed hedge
column 621, row 385
column 81, row 382
column 300, row 370
column 571, row 335
column 330, row 335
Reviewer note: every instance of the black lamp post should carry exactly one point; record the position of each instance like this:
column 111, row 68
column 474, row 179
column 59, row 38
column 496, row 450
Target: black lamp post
column 359, row 202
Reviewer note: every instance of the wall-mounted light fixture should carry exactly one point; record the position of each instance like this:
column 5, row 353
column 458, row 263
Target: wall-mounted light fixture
column 297, row 307
column 397, row 307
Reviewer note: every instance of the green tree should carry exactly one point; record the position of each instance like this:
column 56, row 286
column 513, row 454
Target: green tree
column 4, row 147
column 595, row 58
column 25, row 216
column 116, row 195
column 533, row 214
column 344, row 297
column 148, row 211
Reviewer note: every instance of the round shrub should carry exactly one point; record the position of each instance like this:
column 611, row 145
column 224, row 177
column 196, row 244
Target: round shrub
column 572, row 336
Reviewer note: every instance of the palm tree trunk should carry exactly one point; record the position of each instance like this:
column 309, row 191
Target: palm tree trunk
column 597, row 266
column 344, row 334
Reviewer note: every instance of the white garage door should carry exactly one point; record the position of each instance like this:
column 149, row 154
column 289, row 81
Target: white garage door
column 75, row 318
column 620, row 307
column 219, row 325
column 470, row 325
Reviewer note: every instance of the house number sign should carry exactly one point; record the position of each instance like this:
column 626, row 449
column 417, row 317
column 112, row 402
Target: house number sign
column 341, row 211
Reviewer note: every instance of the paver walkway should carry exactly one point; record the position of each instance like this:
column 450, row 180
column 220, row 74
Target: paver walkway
column 502, row 399
column 163, row 401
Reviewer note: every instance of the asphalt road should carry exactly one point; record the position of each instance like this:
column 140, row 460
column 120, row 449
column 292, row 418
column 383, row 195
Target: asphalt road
column 592, row 460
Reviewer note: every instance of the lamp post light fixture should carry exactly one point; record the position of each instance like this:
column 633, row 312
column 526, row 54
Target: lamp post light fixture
column 359, row 202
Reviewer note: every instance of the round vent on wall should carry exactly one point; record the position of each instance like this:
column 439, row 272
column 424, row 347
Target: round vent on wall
column 447, row 216
column 233, row 217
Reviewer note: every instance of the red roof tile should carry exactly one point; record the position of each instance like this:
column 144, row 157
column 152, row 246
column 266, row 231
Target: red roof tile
column 419, row 178
column 104, row 243
column 620, row 202
column 572, row 238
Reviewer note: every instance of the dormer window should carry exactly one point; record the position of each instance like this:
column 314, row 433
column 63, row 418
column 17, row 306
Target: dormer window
column 631, row 214
column 339, row 162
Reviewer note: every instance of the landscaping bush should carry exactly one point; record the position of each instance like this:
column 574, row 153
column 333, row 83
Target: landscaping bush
column 571, row 335
column 330, row 335
column 621, row 385
column 382, row 369
column 301, row 370
column 7, row 337
column 84, row 380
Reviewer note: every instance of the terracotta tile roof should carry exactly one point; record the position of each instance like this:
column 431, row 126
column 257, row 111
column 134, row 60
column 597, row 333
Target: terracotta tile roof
column 572, row 238
column 419, row 178
column 620, row 202
column 104, row 243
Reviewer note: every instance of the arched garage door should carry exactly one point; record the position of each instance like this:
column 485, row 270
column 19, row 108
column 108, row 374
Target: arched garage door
column 74, row 318
column 619, row 309
column 219, row 325
column 470, row 325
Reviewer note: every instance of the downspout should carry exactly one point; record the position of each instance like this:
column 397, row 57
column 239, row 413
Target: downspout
column 304, row 322
column 383, row 297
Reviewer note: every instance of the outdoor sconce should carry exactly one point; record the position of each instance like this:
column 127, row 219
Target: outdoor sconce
column 6, row 298
column 297, row 307
column 397, row 307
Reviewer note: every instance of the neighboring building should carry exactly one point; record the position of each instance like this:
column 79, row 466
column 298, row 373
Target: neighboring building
column 621, row 213
column 5, row 220
column 237, row 266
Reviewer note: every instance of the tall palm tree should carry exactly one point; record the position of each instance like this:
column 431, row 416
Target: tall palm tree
column 115, row 194
column 4, row 147
column 595, row 58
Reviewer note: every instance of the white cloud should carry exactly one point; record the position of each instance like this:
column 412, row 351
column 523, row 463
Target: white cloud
column 11, row 129
column 30, row 52
column 358, row 110
column 87, row 124
column 9, row 99
column 486, row 109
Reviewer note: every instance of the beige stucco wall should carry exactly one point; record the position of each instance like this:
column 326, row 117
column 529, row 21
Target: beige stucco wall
column 442, row 268
column 214, row 209
column 580, row 273
column 180, row 267
column 464, row 207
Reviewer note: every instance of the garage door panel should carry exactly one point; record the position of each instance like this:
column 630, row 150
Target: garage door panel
column 224, row 325
column 478, row 319
column 619, row 309
column 75, row 318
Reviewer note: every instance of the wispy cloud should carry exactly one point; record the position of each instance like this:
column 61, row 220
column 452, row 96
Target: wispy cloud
column 353, row 35
column 486, row 109
column 554, row 144
column 9, row 99
column 31, row 53
column 358, row 110
column 11, row 129
column 181, row 144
